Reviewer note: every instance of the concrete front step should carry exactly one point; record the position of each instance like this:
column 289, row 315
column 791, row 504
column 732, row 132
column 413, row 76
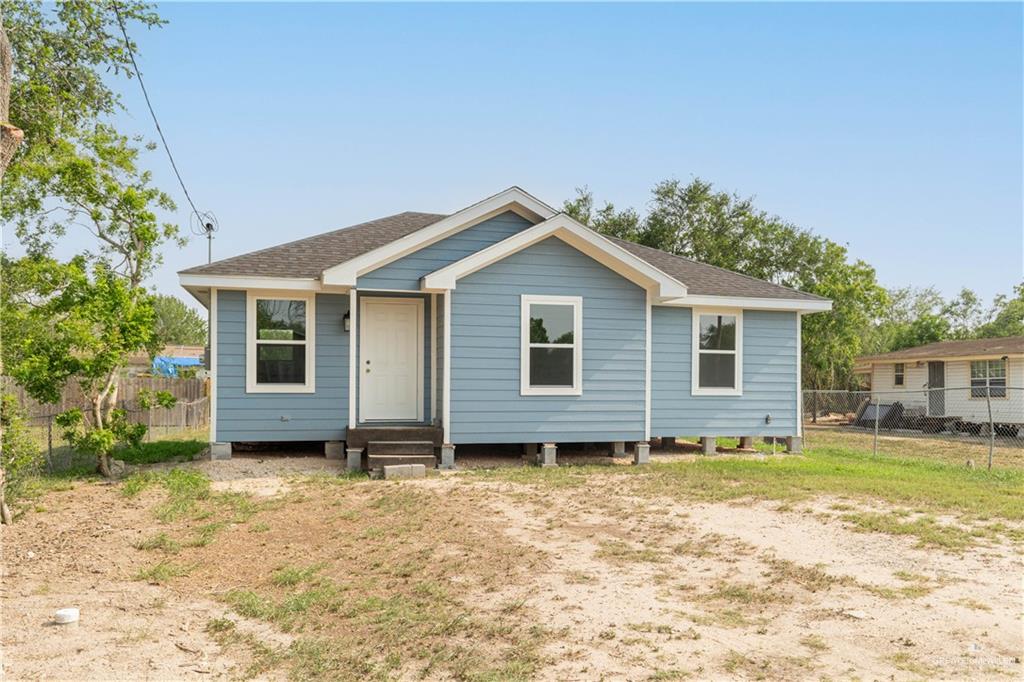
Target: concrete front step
column 378, row 462
column 400, row 447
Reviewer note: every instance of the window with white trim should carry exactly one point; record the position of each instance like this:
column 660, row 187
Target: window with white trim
column 898, row 373
column 552, row 345
column 279, row 344
column 717, row 352
column 988, row 376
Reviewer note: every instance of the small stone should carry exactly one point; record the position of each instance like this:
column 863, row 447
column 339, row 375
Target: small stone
column 858, row 615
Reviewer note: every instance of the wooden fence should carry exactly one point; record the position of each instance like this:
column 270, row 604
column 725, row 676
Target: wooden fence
column 191, row 394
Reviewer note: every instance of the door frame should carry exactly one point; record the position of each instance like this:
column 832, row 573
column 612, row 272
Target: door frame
column 363, row 325
column 928, row 370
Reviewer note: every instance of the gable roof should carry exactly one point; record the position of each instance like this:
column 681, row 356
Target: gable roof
column 577, row 235
column 1007, row 345
column 337, row 257
column 309, row 257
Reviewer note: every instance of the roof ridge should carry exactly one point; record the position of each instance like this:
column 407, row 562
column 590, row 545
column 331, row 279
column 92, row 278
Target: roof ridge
column 716, row 267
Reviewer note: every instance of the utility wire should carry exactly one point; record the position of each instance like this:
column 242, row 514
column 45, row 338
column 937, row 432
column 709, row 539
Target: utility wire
column 145, row 94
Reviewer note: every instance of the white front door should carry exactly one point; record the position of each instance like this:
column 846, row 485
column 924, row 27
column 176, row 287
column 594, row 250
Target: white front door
column 390, row 359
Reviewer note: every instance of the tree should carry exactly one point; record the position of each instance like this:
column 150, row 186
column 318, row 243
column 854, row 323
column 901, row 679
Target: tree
column 79, row 320
column 698, row 222
column 1007, row 316
column 176, row 323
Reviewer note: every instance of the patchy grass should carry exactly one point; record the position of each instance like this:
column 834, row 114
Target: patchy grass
column 814, row 643
column 161, row 541
column 972, row 604
column 162, row 572
column 928, row 531
column 376, row 578
column 623, row 552
column 161, row 451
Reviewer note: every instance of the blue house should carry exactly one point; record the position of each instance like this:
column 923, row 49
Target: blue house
column 505, row 322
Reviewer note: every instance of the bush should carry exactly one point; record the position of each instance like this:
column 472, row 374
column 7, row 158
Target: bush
column 20, row 456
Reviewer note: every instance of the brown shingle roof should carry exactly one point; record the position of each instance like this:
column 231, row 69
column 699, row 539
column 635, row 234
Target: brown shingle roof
column 309, row 257
column 1007, row 345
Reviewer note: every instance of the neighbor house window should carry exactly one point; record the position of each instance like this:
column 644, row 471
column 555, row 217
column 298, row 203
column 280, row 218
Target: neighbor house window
column 279, row 344
column 986, row 376
column 717, row 353
column 552, row 347
column 898, row 370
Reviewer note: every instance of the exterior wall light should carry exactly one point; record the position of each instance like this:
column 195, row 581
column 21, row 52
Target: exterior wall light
column 767, row 419
column 346, row 321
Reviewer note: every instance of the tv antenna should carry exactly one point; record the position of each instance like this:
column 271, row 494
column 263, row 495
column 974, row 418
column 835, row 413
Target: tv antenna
column 205, row 224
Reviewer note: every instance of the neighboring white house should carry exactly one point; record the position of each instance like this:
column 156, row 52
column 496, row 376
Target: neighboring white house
column 954, row 378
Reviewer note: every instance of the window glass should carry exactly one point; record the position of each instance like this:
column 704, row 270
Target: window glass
column 551, row 345
column 280, row 320
column 898, row 369
column 551, row 366
column 717, row 370
column 551, row 323
column 988, row 377
column 280, row 363
column 718, row 332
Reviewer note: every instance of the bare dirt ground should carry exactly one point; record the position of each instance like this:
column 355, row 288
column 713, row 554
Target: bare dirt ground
column 621, row 586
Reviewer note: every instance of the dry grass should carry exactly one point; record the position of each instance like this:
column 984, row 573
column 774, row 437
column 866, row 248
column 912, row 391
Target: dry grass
column 392, row 566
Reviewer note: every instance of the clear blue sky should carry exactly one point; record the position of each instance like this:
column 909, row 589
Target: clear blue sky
column 895, row 129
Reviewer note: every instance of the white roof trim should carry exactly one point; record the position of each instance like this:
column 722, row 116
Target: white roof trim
column 243, row 282
column 512, row 199
column 752, row 303
column 576, row 235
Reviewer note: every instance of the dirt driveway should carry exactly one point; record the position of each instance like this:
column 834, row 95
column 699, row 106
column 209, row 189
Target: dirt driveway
column 567, row 583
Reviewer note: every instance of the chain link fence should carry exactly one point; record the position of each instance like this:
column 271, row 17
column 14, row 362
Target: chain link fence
column 976, row 426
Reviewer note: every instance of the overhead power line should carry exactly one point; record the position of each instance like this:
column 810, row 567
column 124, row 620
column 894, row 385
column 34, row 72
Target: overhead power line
column 207, row 223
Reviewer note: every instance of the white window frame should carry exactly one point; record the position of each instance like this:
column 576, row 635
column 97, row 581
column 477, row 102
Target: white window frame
column 902, row 374
column 988, row 380
column 251, row 386
column 695, row 352
column 526, row 300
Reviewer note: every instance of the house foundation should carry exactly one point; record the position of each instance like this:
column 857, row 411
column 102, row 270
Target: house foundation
column 220, row 451
column 334, row 449
column 548, row 455
column 619, row 448
column 447, row 457
column 354, row 459
column 794, row 444
column 708, row 445
column 642, row 453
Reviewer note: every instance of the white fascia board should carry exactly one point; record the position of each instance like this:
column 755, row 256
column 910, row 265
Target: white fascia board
column 512, row 199
column 751, row 303
column 575, row 234
column 243, row 282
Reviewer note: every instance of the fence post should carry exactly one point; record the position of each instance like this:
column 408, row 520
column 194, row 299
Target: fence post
column 814, row 407
column 991, row 426
column 49, row 442
column 877, row 410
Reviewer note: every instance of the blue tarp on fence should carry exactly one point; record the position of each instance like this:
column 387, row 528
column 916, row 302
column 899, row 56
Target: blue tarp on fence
column 166, row 366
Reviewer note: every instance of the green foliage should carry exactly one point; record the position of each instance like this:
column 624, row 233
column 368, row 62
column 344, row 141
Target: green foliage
column 150, row 399
column 177, row 323
column 696, row 221
column 1007, row 316
column 20, row 457
column 64, row 56
column 161, row 451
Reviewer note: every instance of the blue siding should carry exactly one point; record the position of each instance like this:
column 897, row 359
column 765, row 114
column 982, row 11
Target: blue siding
column 425, row 361
column 404, row 274
column 769, row 379
column 486, row 406
column 258, row 416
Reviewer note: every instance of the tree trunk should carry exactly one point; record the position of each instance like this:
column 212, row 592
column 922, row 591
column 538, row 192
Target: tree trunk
column 5, row 512
column 10, row 136
column 104, row 466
